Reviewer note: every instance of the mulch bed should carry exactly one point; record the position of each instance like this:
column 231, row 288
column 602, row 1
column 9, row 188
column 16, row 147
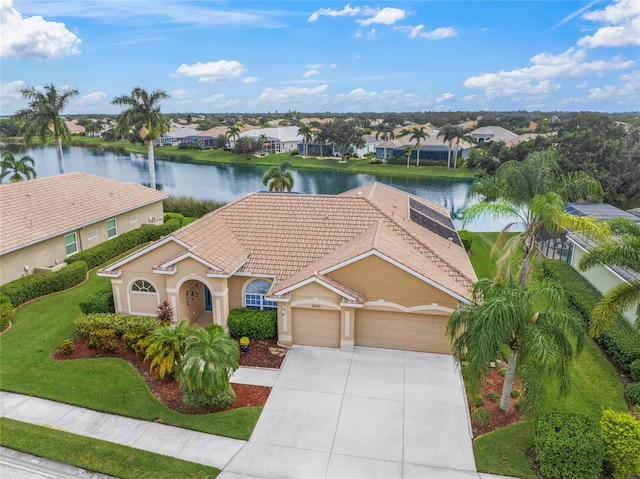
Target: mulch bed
column 167, row 391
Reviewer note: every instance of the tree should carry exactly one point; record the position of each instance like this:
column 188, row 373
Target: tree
column 408, row 150
column 44, row 113
column 448, row 134
column 458, row 135
column 532, row 320
column 531, row 195
column 623, row 249
column 307, row 136
column 279, row 178
column 384, row 130
column 18, row 170
column 233, row 132
column 166, row 346
column 418, row 134
column 344, row 134
column 95, row 126
column 209, row 359
column 142, row 114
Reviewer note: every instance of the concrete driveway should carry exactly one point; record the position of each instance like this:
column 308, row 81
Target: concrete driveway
column 368, row 413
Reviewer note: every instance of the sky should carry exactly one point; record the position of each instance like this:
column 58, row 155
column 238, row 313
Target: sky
column 221, row 56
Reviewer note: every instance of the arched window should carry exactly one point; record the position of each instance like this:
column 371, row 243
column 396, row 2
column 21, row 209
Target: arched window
column 254, row 296
column 142, row 286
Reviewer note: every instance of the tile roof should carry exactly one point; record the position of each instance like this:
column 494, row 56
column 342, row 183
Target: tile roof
column 497, row 133
column 293, row 236
column 35, row 210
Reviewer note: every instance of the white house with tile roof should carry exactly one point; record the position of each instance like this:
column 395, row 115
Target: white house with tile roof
column 372, row 266
column 43, row 221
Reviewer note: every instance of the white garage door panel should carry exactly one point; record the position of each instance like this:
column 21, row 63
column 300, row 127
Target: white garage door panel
column 412, row 332
column 316, row 328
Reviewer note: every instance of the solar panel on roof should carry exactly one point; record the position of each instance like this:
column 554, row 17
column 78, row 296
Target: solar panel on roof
column 433, row 226
column 431, row 213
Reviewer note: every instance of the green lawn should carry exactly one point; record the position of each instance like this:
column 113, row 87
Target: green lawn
column 594, row 386
column 98, row 456
column 109, row 384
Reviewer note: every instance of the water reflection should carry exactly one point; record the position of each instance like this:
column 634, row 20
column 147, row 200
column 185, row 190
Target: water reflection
column 227, row 182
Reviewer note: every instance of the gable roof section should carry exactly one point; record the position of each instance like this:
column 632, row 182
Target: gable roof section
column 497, row 133
column 36, row 210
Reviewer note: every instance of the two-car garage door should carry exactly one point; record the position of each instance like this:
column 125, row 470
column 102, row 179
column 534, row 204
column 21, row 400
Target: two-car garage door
column 411, row 332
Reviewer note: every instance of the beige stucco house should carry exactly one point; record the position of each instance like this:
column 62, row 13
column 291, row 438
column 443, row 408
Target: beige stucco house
column 43, row 221
column 372, row 266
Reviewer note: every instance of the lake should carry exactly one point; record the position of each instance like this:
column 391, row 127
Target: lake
column 227, row 182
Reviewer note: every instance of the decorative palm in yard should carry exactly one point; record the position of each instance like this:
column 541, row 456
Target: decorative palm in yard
column 531, row 195
column 43, row 116
column 384, row 130
column 17, row 170
column 623, row 249
column 279, row 178
column 418, row 134
column 307, row 135
column 448, row 134
column 166, row 345
column 142, row 113
column 532, row 321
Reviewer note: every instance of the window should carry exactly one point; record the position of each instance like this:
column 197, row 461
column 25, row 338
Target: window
column 71, row 244
column 112, row 229
column 143, row 287
column 91, row 235
column 254, row 296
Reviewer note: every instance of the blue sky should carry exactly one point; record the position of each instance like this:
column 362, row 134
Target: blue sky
column 317, row 56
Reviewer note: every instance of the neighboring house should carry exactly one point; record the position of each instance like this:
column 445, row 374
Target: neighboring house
column 373, row 266
column 431, row 148
column 174, row 137
column 74, row 127
column 207, row 138
column 603, row 278
column 43, row 221
column 276, row 140
column 492, row 133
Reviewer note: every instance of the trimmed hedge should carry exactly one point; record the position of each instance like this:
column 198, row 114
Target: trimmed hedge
column 621, row 437
column 99, row 302
column 178, row 216
column 120, row 323
column 569, row 445
column 103, row 252
column 467, row 239
column 621, row 341
column 635, row 370
column 253, row 324
column 24, row 289
column 632, row 393
column 6, row 312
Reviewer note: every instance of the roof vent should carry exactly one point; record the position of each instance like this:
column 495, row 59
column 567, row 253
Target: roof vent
column 359, row 193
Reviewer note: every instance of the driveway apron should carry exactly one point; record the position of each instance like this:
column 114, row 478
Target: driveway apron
column 367, row 413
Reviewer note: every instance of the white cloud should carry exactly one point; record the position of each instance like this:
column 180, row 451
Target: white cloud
column 444, row 97
column 180, row 94
column 219, row 102
column 358, row 99
column 222, row 70
column 310, row 73
column 470, row 98
column 33, row 37
column 330, row 12
column 314, row 66
column 333, row 65
column 437, row 34
column 250, row 80
column 582, row 85
column 93, row 97
column 10, row 97
column 386, row 16
column 536, row 79
column 275, row 95
column 622, row 20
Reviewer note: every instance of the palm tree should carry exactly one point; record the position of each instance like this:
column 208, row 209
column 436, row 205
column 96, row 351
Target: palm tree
column 307, row 136
column 621, row 250
column 166, row 346
column 143, row 114
column 384, row 130
column 458, row 135
column 418, row 134
column 532, row 320
column 279, row 178
column 233, row 132
column 209, row 359
column 44, row 113
column 408, row 150
column 531, row 195
column 18, row 169
column 448, row 133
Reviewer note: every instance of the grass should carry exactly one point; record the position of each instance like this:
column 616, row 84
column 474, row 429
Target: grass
column 108, row 384
column 96, row 455
column 594, row 386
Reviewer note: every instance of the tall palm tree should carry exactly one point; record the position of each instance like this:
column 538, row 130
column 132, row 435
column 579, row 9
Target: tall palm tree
column 459, row 135
column 408, row 150
column 167, row 344
column 209, row 359
column 418, row 134
column 233, row 132
column 279, row 178
column 621, row 250
column 384, row 130
column 307, row 136
column 43, row 114
column 19, row 170
column 531, row 195
column 448, row 134
column 142, row 113
column 532, row 320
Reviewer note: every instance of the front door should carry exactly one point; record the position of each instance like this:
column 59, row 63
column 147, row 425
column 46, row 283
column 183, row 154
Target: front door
column 207, row 299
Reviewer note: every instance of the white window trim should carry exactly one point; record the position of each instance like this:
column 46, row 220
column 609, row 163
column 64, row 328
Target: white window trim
column 75, row 236
column 115, row 221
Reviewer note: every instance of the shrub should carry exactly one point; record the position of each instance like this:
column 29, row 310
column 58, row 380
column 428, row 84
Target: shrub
column 213, row 327
column 493, row 396
column 120, row 323
column 622, row 342
column 99, row 302
column 178, row 216
column 244, row 341
column 24, row 289
column 165, row 312
column 632, row 393
column 219, row 399
column 103, row 339
column 515, row 393
column 477, row 401
column 568, row 445
column 480, row 417
column 502, row 372
column 67, row 346
column 131, row 338
column 634, row 369
column 6, row 313
column 621, row 438
column 467, row 239
column 253, row 323
column 190, row 207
